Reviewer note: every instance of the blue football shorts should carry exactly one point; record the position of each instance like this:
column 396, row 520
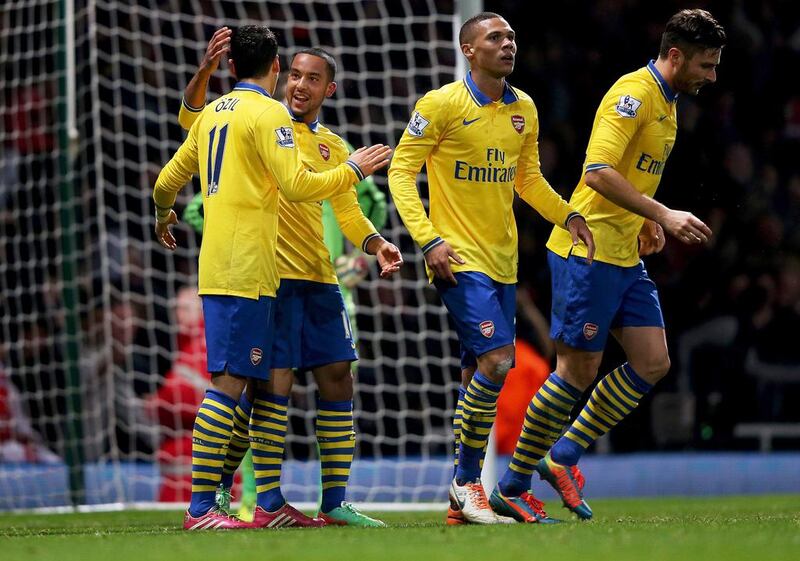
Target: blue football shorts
column 590, row 300
column 483, row 311
column 312, row 327
column 239, row 334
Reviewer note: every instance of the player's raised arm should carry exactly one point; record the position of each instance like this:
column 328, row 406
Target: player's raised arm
column 194, row 96
column 535, row 190
column 177, row 173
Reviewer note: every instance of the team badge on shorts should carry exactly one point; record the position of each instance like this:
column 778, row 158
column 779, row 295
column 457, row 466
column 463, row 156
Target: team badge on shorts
column 255, row 356
column 519, row 123
column 487, row 329
column 324, row 151
column 589, row 330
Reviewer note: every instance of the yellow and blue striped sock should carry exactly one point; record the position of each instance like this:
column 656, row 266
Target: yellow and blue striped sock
column 213, row 426
column 477, row 418
column 614, row 397
column 240, row 440
column 457, row 425
column 337, row 443
column 268, row 422
column 547, row 414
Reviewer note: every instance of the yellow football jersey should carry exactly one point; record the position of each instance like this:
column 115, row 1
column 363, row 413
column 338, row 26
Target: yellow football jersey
column 634, row 132
column 302, row 253
column 477, row 152
column 243, row 147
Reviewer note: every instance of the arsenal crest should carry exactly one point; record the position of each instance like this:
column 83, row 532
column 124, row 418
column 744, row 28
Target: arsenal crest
column 519, row 123
column 487, row 329
column 324, row 151
column 589, row 331
column 255, row 356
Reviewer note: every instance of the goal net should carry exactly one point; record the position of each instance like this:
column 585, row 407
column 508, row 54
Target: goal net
column 101, row 345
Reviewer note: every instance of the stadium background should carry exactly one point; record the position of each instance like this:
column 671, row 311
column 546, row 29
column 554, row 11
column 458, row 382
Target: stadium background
column 86, row 354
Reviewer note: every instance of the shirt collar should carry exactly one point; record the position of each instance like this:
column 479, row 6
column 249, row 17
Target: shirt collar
column 669, row 95
column 313, row 125
column 481, row 99
column 247, row 86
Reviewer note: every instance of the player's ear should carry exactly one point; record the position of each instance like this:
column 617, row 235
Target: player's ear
column 467, row 50
column 330, row 89
column 675, row 56
column 232, row 67
column 276, row 65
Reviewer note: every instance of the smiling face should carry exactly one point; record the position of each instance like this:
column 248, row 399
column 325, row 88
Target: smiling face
column 308, row 85
column 692, row 73
column 491, row 47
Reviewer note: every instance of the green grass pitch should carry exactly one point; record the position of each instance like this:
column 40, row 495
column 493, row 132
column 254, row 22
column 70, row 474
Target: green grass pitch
column 759, row 528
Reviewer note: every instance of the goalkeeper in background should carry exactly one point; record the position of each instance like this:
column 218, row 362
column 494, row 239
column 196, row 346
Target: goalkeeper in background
column 312, row 324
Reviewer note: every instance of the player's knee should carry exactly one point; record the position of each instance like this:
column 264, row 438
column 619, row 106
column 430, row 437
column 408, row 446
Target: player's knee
column 503, row 366
column 230, row 385
column 656, row 368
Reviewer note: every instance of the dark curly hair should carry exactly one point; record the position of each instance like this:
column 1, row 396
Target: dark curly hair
column 253, row 48
column 692, row 31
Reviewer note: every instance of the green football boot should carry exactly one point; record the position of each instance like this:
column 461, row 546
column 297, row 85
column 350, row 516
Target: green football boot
column 348, row 515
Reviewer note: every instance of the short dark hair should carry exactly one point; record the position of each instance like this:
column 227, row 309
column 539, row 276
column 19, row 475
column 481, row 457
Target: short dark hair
column 253, row 48
column 330, row 62
column 692, row 31
column 469, row 25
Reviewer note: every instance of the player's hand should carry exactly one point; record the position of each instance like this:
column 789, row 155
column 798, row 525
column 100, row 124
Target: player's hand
column 580, row 232
column 164, row 232
column 686, row 227
column 219, row 44
column 438, row 259
column 371, row 159
column 651, row 238
column 389, row 258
